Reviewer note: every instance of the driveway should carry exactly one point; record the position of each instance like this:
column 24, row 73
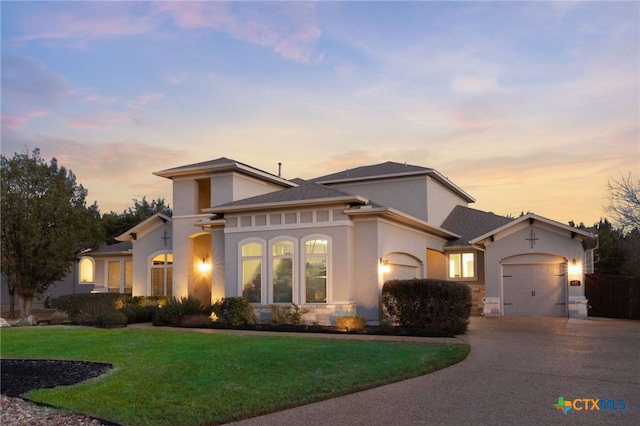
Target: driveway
column 515, row 373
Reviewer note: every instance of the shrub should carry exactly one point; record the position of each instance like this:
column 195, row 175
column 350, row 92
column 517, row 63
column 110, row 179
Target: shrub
column 112, row 319
column 437, row 305
column 234, row 311
column 86, row 308
column 296, row 314
column 131, row 315
column 143, row 313
column 279, row 313
column 172, row 312
column 350, row 323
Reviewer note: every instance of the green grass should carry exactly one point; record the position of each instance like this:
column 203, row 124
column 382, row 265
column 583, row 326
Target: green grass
column 161, row 377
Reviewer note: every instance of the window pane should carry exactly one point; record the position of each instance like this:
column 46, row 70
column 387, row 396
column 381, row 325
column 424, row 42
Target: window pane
column 169, row 292
column 252, row 279
column 283, row 280
column 467, row 265
column 170, row 258
column 158, row 260
column 86, row 270
column 157, row 282
column 128, row 277
column 315, row 247
column 282, row 248
column 454, row 265
column 114, row 277
column 251, row 249
column 316, row 279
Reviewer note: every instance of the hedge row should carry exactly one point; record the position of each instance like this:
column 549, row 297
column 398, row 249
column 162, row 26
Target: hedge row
column 90, row 308
column 436, row 305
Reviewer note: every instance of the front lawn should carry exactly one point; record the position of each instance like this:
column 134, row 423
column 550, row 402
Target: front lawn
column 164, row 378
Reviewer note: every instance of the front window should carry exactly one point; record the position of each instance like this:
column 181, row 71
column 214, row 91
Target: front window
column 315, row 261
column 162, row 275
column 87, row 270
column 252, row 272
column 113, row 277
column 282, row 262
column 461, row 265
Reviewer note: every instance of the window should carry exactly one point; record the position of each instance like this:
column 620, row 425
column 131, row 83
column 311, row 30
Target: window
column 128, row 277
column 282, row 272
column 315, row 270
column 162, row 275
column 87, row 270
column 113, row 277
column 462, row 265
column 251, row 273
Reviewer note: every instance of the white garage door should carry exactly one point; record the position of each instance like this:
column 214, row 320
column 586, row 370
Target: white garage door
column 537, row 290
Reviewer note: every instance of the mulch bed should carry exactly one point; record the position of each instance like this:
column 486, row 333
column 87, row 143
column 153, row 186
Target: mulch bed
column 18, row 376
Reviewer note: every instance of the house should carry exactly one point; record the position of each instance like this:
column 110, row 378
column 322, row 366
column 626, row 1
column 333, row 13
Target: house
column 329, row 243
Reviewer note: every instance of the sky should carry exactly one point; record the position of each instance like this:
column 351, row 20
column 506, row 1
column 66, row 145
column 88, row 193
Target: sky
column 527, row 106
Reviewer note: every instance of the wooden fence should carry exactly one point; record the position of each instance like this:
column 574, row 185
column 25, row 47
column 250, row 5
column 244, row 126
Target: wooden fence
column 613, row 296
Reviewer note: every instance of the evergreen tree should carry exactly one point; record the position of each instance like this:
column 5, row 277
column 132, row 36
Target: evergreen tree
column 114, row 224
column 45, row 223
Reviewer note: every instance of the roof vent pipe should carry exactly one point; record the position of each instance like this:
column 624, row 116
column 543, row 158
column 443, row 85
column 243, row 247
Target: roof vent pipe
column 279, row 169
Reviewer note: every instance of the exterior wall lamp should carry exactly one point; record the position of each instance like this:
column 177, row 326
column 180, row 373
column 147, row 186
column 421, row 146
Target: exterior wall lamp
column 204, row 266
column 575, row 273
column 383, row 266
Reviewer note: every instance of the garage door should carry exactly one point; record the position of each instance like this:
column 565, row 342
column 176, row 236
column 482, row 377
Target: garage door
column 534, row 290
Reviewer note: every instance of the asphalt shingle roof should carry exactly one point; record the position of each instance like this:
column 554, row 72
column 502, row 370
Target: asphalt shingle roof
column 306, row 191
column 471, row 223
column 376, row 170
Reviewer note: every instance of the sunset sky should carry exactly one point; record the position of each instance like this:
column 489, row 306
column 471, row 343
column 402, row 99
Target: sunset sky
column 528, row 106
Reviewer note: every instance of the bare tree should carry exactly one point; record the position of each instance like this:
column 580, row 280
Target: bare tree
column 624, row 201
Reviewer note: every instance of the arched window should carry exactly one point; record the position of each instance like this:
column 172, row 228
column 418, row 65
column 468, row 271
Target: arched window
column 162, row 274
column 282, row 271
column 251, row 271
column 315, row 270
column 87, row 270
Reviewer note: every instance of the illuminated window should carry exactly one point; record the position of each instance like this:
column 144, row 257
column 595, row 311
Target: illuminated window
column 282, row 263
column 87, row 270
column 162, row 275
column 315, row 270
column 251, row 265
column 462, row 265
column 113, row 274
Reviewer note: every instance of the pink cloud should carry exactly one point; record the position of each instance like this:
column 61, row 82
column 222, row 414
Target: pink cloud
column 99, row 21
column 15, row 121
column 293, row 36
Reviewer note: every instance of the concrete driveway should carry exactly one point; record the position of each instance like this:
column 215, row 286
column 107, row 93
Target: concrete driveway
column 515, row 373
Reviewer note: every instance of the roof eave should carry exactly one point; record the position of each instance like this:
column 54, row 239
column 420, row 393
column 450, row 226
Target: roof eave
column 404, row 218
column 294, row 203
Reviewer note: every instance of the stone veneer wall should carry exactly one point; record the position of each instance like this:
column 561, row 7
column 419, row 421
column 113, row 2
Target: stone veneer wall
column 318, row 314
column 477, row 296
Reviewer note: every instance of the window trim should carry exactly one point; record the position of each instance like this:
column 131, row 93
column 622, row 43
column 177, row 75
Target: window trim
column 263, row 258
column 165, row 266
column 294, row 271
column 303, row 269
column 475, row 266
column 93, row 270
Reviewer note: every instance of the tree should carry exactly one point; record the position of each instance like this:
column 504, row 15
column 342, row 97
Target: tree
column 611, row 255
column 45, row 223
column 114, row 224
column 624, row 201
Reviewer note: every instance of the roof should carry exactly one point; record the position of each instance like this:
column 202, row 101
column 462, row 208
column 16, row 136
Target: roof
column 130, row 234
column 470, row 223
column 222, row 164
column 306, row 193
column 117, row 248
column 531, row 217
column 387, row 170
